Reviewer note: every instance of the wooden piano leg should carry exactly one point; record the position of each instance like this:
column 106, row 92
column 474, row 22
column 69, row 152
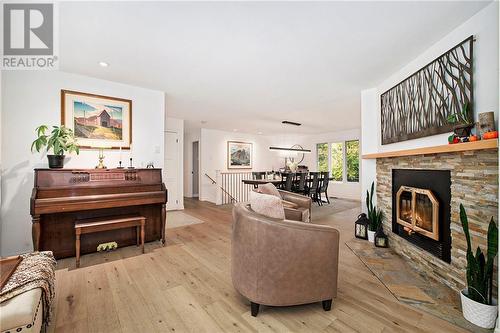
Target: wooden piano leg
column 163, row 223
column 77, row 248
column 143, row 222
column 138, row 235
column 35, row 232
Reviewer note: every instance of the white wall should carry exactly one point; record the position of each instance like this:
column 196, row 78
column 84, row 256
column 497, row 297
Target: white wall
column 190, row 136
column 369, row 143
column 177, row 125
column 213, row 150
column 484, row 27
column 31, row 98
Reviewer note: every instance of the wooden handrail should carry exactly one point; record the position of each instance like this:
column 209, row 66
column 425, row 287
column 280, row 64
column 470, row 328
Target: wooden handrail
column 222, row 188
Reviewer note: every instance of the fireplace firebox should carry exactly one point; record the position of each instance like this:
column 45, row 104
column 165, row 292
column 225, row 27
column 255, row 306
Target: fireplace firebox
column 421, row 209
column 417, row 210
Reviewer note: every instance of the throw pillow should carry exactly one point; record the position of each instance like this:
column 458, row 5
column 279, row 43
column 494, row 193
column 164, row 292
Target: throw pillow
column 267, row 205
column 269, row 189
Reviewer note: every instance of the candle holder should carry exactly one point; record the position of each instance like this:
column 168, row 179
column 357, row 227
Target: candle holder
column 131, row 166
column 101, row 165
column 120, row 165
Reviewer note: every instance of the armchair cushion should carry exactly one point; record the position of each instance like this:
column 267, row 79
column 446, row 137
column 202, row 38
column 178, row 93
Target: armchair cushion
column 267, row 205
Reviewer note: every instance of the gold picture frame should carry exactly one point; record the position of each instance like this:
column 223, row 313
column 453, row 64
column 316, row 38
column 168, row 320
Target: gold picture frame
column 98, row 121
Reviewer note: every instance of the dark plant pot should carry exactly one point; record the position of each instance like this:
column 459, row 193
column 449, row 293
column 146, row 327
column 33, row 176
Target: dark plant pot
column 56, row 161
column 462, row 130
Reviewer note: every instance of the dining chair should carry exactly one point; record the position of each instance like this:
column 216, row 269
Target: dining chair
column 300, row 183
column 259, row 175
column 323, row 187
column 313, row 187
column 288, row 179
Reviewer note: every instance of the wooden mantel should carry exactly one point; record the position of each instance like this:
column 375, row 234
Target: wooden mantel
column 449, row 148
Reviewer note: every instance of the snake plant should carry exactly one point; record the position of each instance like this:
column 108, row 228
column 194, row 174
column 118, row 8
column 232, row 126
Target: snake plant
column 375, row 215
column 480, row 267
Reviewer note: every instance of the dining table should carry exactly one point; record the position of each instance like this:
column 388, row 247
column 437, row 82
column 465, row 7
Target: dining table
column 272, row 181
column 262, row 181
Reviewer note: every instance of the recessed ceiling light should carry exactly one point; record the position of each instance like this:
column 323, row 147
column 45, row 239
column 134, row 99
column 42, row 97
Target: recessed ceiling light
column 260, row 133
column 235, row 130
column 103, row 64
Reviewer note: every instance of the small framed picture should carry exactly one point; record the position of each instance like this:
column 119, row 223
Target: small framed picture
column 97, row 121
column 239, row 155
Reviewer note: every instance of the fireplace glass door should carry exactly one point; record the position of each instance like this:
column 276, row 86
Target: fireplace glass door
column 418, row 211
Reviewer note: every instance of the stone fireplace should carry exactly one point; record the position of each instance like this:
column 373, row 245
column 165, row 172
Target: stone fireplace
column 420, row 195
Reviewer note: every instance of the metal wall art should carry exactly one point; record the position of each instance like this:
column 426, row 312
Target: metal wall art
column 419, row 105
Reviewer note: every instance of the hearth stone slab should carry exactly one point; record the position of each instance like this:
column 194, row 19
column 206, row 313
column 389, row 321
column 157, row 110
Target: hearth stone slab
column 409, row 286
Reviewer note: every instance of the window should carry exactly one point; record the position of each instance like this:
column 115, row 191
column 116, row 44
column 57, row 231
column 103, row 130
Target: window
column 352, row 160
column 337, row 161
column 341, row 158
column 322, row 149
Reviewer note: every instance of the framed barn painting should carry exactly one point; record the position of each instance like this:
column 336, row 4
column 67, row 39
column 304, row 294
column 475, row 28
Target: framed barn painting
column 239, row 155
column 98, row 121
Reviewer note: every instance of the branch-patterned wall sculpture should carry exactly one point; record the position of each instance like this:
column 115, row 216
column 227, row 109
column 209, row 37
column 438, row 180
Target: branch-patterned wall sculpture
column 418, row 106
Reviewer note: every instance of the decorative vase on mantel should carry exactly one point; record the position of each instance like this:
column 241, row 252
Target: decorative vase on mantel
column 463, row 130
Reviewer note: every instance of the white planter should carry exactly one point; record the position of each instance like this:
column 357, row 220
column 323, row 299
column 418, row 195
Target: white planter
column 371, row 236
column 479, row 314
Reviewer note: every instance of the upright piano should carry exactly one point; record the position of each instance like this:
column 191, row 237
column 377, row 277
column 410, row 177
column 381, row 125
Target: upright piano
column 62, row 196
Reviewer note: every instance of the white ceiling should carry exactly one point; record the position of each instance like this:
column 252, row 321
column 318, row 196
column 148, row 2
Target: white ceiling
column 247, row 66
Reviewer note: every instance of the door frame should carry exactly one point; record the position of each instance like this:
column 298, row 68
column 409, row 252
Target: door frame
column 195, row 195
column 180, row 200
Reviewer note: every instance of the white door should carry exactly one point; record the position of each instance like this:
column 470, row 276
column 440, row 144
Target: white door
column 171, row 170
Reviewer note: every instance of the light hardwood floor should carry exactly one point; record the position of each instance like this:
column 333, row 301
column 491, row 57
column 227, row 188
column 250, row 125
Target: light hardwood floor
column 186, row 287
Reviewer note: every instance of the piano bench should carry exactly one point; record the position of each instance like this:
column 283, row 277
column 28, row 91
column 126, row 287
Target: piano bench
column 88, row 226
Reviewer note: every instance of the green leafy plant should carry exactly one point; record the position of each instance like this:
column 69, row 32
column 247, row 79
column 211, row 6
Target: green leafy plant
column 461, row 117
column 375, row 215
column 479, row 267
column 61, row 139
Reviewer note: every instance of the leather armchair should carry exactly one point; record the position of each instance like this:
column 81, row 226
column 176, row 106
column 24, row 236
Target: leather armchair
column 282, row 262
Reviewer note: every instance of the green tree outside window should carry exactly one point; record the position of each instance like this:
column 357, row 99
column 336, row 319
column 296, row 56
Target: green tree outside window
column 352, row 163
column 322, row 149
column 337, row 161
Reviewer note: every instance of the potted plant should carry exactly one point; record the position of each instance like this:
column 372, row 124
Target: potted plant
column 478, row 305
column 375, row 215
column 462, row 121
column 60, row 140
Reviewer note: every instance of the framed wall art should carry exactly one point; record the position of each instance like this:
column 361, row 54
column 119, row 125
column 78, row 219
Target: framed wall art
column 420, row 105
column 239, row 155
column 98, row 121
